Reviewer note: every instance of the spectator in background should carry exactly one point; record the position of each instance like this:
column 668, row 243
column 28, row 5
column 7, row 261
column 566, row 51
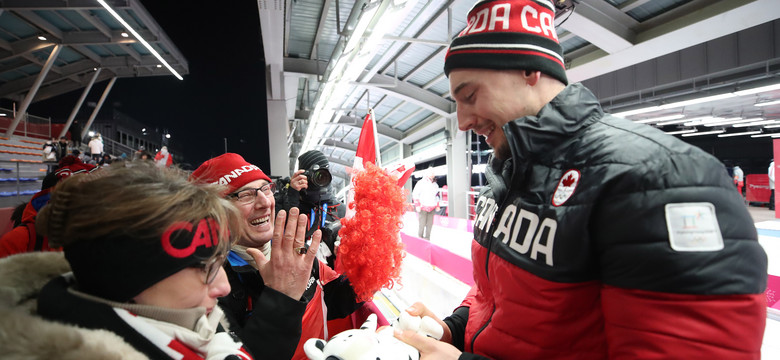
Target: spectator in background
column 583, row 250
column 137, row 153
column 96, row 147
column 50, row 151
column 425, row 197
column 62, row 148
column 145, row 156
column 106, row 160
column 739, row 178
column 75, row 133
column 163, row 158
column 771, row 174
column 314, row 198
column 24, row 238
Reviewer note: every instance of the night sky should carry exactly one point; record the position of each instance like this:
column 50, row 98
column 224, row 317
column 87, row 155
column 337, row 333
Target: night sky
column 223, row 96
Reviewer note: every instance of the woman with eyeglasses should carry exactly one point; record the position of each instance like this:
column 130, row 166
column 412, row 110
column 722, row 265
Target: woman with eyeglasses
column 146, row 259
column 265, row 295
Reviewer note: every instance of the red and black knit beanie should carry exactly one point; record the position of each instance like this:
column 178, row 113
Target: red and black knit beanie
column 509, row 35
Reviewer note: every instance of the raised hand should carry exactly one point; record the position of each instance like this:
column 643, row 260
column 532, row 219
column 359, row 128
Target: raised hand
column 289, row 268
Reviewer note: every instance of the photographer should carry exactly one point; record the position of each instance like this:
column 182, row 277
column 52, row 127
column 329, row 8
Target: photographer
column 310, row 191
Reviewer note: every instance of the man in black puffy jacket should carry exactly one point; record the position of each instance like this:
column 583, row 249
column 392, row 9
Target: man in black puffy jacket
column 597, row 237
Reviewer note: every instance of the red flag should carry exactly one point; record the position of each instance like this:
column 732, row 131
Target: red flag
column 402, row 171
column 366, row 149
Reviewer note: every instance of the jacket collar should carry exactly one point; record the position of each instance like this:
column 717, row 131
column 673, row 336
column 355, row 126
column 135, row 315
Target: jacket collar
column 531, row 138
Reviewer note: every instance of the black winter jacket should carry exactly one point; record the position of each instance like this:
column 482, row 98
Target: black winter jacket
column 604, row 238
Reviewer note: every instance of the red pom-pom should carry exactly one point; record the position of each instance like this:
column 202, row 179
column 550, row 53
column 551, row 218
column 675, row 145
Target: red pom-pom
column 371, row 252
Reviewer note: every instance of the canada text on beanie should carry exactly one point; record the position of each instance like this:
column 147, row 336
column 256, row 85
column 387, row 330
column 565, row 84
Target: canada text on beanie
column 230, row 170
column 120, row 266
column 509, row 35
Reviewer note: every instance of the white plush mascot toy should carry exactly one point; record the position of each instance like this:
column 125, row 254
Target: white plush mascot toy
column 368, row 344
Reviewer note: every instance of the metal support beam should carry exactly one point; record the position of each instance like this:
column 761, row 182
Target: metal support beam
column 78, row 105
column 707, row 23
column 21, row 113
column 103, row 97
column 599, row 29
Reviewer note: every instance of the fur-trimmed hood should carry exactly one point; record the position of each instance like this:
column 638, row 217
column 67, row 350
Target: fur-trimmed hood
column 24, row 335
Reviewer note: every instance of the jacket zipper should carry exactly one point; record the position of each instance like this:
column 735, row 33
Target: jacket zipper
column 490, row 241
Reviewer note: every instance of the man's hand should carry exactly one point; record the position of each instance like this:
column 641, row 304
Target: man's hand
column 420, row 310
column 429, row 348
column 299, row 181
column 289, row 268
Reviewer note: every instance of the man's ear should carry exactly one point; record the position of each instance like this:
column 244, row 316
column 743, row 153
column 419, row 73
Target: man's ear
column 532, row 76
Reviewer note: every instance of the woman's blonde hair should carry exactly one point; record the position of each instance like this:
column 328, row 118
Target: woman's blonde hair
column 138, row 202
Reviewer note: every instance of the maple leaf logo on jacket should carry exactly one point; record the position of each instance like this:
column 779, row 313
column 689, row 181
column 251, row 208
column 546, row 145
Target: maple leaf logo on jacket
column 566, row 187
column 569, row 180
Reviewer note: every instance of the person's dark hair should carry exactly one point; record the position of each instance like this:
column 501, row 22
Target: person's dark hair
column 147, row 154
column 16, row 215
column 49, row 180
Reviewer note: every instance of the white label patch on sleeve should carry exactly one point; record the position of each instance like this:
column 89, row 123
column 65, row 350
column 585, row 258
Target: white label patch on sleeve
column 693, row 227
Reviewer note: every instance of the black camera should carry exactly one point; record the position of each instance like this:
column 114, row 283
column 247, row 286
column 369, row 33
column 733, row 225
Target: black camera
column 318, row 176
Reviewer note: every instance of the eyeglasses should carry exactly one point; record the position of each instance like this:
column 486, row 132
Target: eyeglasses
column 211, row 267
column 248, row 196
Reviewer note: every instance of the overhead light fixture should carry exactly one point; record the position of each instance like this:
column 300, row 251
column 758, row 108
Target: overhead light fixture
column 708, row 120
column 703, row 100
column 3, row 114
column 774, row 135
column 662, row 118
column 679, row 132
column 768, row 103
column 701, row 133
column 744, row 133
column 733, row 121
column 697, row 101
column 772, row 126
column 680, row 121
column 159, row 66
column 361, row 45
column 757, row 90
column 124, row 34
column 637, row 111
column 41, row 38
column 140, row 39
column 757, row 123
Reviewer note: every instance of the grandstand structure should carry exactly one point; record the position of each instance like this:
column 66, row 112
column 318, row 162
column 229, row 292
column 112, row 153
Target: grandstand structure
column 48, row 48
column 329, row 62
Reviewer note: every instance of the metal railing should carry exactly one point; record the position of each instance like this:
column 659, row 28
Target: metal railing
column 30, row 126
column 116, row 149
column 16, row 192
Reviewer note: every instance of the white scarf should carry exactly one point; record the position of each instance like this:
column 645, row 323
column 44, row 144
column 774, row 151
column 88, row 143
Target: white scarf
column 203, row 341
column 170, row 333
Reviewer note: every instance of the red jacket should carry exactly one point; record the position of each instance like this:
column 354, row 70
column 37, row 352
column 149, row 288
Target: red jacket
column 23, row 238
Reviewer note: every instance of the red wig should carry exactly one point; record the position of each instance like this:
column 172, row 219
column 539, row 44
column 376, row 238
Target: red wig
column 370, row 253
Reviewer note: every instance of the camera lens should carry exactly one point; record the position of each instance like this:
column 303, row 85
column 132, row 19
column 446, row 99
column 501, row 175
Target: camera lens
column 321, row 177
